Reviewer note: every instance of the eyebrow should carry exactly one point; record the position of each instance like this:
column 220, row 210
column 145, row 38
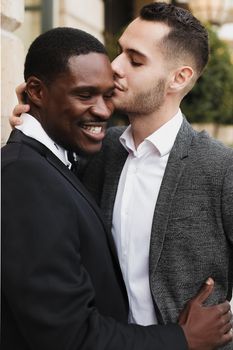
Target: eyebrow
column 133, row 51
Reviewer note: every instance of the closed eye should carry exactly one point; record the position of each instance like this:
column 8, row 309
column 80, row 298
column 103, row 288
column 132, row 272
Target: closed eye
column 109, row 95
column 84, row 96
column 135, row 64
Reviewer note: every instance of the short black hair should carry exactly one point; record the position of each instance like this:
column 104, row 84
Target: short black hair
column 49, row 53
column 187, row 35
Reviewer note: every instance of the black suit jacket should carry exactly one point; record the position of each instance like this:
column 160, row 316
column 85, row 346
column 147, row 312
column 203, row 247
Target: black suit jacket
column 61, row 283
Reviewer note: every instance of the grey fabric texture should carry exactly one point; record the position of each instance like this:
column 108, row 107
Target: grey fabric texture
column 192, row 230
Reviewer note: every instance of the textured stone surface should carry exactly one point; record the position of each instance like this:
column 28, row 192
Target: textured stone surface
column 84, row 14
column 12, row 56
column 12, row 14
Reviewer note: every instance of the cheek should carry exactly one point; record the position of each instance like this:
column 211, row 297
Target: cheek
column 143, row 82
column 70, row 114
column 137, row 78
column 110, row 105
column 135, row 85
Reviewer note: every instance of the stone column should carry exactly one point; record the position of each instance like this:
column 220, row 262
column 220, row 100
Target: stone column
column 12, row 58
column 87, row 15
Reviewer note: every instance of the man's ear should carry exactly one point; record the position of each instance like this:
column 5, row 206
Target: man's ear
column 35, row 90
column 182, row 77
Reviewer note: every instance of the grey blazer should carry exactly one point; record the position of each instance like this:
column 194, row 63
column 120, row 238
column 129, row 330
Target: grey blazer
column 192, row 230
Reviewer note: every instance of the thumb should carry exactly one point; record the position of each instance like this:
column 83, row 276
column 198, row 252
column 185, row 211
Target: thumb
column 205, row 291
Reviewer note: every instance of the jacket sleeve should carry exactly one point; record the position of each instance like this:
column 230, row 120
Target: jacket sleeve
column 46, row 286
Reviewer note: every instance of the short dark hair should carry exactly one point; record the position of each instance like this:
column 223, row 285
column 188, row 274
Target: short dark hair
column 187, row 35
column 49, row 53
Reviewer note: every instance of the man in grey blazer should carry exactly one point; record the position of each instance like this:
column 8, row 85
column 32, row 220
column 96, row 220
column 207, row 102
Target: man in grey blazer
column 166, row 191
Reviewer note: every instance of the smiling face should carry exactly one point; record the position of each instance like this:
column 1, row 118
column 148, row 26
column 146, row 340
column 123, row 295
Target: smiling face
column 76, row 106
column 141, row 71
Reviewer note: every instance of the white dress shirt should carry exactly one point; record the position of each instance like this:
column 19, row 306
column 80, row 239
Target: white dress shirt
column 31, row 127
column 133, row 212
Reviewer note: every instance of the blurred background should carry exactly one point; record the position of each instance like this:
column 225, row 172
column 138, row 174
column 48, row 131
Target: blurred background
column 209, row 105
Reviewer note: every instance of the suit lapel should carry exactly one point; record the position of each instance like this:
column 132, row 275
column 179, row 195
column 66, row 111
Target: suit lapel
column 72, row 178
column 174, row 169
column 18, row 137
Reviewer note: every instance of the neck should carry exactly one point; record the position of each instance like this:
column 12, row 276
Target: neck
column 35, row 112
column 145, row 125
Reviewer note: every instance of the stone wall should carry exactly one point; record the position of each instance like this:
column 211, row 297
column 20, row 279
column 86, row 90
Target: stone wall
column 84, row 14
column 12, row 58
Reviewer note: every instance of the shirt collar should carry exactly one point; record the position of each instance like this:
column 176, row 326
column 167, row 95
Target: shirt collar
column 162, row 139
column 31, row 127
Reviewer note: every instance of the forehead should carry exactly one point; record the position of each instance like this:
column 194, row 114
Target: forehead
column 143, row 35
column 93, row 69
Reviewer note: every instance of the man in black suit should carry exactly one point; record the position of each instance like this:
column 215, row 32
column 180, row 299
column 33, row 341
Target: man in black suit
column 62, row 285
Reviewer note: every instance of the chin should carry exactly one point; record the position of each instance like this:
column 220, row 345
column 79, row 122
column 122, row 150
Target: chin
column 90, row 150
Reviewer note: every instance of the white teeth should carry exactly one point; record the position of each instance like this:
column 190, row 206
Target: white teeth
column 93, row 129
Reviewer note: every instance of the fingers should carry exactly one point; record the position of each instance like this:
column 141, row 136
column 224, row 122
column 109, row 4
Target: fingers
column 200, row 297
column 205, row 291
column 224, row 308
column 225, row 318
column 223, row 314
column 14, row 120
column 227, row 322
column 226, row 338
column 227, row 328
column 206, row 327
column 20, row 92
column 20, row 109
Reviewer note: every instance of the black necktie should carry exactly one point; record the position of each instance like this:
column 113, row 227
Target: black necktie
column 74, row 163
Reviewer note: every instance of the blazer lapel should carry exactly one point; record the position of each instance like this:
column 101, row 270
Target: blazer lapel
column 174, row 169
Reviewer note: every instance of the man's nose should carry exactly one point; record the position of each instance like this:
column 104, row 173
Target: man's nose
column 117, row 66
column 101, row 109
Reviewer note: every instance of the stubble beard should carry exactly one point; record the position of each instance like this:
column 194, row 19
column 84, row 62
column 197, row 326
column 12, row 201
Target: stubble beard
column 144, row 103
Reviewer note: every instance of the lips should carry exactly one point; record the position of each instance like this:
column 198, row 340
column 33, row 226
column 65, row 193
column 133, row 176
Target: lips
column 95, row 131
column 119, row 86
